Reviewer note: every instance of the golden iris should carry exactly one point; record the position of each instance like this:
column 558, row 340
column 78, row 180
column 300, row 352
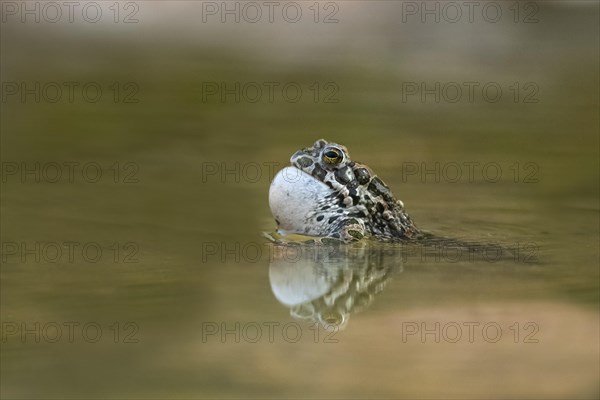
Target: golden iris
column 333, row 156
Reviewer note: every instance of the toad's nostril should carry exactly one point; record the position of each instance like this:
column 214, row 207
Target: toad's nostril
column 304, row 162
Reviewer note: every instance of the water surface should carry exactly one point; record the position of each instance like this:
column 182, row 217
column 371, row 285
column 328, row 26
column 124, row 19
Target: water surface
column 206, row 308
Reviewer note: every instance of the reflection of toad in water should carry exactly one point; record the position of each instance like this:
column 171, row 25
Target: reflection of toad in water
column 325, row 284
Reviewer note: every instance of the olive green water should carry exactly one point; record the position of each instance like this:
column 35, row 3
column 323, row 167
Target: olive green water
column 198, row 295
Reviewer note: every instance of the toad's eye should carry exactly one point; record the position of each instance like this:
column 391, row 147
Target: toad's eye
column 333, row 156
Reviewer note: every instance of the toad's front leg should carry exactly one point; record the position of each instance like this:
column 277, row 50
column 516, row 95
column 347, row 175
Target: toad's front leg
column 350, row 230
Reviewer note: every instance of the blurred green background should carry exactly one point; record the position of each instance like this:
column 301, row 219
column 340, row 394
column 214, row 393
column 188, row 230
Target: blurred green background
column 158, row 119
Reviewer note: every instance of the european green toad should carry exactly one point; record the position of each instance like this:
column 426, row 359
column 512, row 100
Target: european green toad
column 327, row 195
